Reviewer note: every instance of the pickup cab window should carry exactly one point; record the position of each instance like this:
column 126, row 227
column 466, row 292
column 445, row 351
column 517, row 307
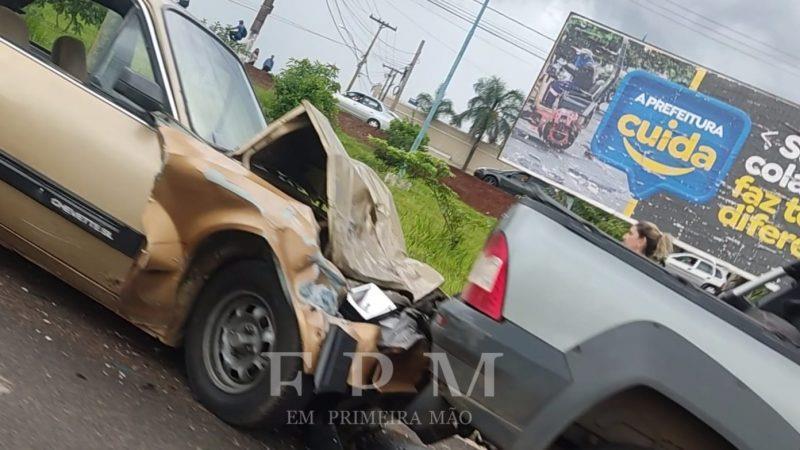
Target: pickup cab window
column 222, row 107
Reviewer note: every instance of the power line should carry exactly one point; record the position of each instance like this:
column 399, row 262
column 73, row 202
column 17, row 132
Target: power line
column 695, row 22
column 354, row 48
column 719, row 41
column 527, row 27
column 354, row 15
column 363, row 61
column 307, row 30
column 733, row 30
column 436, row 37
column 489, row 30
column 486, row 25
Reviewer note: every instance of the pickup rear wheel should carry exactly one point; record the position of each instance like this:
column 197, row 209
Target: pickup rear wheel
column 241, row 318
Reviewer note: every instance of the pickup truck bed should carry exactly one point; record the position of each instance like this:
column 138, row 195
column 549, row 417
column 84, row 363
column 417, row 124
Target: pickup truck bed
column 596, row 340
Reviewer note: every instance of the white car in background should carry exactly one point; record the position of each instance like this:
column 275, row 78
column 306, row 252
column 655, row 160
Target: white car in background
column 701, row 272
column 369, row 109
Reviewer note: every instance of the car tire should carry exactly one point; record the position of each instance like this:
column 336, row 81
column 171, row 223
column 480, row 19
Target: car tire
column 374, row 124
column 242, row 314
column 492, row 180
column 713, row 290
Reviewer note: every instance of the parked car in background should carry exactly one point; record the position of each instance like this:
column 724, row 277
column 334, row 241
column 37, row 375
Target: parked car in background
column 369, row 109
column 565, row 339
column 701, row 272
column 514, row 182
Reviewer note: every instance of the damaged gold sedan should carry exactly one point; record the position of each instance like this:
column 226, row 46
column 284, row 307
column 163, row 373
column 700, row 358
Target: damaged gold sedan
column 138, row 168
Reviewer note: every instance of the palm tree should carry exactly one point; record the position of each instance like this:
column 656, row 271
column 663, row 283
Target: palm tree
column 424, row 102
column 491, row 112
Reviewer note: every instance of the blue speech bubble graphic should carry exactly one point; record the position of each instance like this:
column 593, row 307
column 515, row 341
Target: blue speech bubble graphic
column 669, row 138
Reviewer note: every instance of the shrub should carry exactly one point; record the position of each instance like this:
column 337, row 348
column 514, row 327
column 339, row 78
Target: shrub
column 431, row 171
column 301, row 80
column 403, row 133
column 223, row 33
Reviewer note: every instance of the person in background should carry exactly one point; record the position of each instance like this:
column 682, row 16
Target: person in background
column 251, row 61
column 238, row 33
column 647, row 240
column 269, row 63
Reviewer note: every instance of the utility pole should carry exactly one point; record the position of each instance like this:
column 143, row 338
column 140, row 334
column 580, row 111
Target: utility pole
column 443, row 88
column 390, row 77
column 363, row 61
column 406, row 76
column 258, row 23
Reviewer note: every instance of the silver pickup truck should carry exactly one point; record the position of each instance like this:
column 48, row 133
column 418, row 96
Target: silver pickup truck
column 597, row 348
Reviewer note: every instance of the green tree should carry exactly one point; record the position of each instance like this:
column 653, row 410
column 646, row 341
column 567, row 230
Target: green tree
column 402, row 134
column 491, row 113
column 301, row 80
column 425, row 103
column 77, row 13
column 223, row 33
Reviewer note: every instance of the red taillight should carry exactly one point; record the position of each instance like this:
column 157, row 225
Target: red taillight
column 486, row 288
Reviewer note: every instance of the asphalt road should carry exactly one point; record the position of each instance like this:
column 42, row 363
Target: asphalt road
column 73, row 375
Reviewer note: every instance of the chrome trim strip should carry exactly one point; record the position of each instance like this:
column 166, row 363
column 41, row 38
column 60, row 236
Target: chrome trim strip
column 159, row 57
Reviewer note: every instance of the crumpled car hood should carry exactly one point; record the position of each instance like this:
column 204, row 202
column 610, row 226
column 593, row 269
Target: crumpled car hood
column 366, row 237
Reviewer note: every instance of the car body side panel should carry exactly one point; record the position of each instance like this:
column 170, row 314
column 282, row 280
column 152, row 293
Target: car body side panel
column 586, row 291
column 90, row 153
column 540, row 391
column 647, row 354
column 201, row 192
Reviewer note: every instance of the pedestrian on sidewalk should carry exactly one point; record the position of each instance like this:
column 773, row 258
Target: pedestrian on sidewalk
column 251, row 61
column 269, row 63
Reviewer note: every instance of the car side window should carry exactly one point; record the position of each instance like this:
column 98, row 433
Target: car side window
column 354, row 96
column 718, row 274
column 128, row 51
column 521, row 176
column 96, row 50
column 705, row 267
column 689, row 260
column 372, row 104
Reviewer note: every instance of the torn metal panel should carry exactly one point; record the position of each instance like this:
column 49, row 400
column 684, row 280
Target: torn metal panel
column 366, row 238
column 201, row 194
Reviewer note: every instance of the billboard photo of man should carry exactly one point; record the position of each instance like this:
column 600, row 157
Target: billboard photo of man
column 552, row 138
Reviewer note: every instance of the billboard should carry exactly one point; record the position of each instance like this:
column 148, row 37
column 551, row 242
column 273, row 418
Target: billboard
column 647, row 135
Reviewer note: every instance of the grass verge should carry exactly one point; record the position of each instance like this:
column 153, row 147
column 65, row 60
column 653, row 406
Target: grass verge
column 424, row 227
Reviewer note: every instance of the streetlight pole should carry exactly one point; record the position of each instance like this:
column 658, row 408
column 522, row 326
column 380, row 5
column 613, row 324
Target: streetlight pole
column 443, row 88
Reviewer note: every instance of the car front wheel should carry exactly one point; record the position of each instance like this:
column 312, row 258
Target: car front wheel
column 374, row 124
column 491, row 179
column 240, row 320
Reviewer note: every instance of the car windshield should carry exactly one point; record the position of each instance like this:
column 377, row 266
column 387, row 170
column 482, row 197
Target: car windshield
column 222, row 107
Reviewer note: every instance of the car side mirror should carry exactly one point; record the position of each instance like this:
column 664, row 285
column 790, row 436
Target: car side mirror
column 141, row 91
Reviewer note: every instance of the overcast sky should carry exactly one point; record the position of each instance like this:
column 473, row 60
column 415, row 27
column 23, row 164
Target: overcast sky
column 748, row 40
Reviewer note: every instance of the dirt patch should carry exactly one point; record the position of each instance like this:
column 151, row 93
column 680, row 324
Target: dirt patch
column 479, row 195
column 357, row 128
column 260, row 78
